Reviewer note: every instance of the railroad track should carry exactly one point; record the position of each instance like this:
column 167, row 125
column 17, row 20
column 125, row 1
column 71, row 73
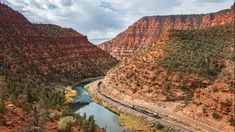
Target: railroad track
column 142, row 111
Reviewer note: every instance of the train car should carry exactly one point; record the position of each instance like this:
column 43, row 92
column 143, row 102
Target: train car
column 127, row 105
column 142, row 110
column 156, row 116
column 153, row 114
column 137, row 108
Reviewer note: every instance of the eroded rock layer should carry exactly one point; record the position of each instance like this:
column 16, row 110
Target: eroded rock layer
column 48, row 49
column 149, row 29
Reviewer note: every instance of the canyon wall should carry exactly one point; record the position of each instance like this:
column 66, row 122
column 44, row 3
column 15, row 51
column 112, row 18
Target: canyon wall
column 45, row 49
column 149, row 29
column 195, row 67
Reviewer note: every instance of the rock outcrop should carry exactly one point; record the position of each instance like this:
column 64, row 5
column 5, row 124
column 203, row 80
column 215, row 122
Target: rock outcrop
column 149, row 29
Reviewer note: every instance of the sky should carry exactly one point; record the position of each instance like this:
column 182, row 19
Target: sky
column 101, row 20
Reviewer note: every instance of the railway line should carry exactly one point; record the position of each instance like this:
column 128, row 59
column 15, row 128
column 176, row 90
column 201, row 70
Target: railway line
column 139, row 110
column 196, row 126
column 134, row 107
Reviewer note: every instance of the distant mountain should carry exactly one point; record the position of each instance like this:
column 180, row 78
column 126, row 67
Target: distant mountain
column 47, row 50
column 150, row 28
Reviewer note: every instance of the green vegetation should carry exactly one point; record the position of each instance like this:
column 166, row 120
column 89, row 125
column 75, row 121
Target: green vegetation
column 55, row 115
column 216, row 115
column 2, row 106
column 200, row 52
column 78, row 123
column 133, row 122
column 69, row 94
column 159, row 126
column 231, row 121
column 3, row 122
column 43, row 101
column 66, row 123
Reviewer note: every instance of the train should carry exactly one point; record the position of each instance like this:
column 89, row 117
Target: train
column 134, row 107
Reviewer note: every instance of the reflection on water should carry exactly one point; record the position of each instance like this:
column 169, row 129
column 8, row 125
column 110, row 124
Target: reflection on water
column 83, row 96
column 104, row 117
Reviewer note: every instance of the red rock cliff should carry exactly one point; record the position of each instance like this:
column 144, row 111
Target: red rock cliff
column 149, row 29
column 47, row 49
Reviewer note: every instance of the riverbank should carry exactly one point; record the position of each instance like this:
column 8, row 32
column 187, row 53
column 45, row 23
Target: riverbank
column 104, row 117
column 128, row 119
column 70, row 92
column 86, row 80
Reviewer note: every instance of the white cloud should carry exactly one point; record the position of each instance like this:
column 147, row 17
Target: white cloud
column 101, row 20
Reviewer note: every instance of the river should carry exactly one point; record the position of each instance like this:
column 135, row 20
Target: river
column 82, row 103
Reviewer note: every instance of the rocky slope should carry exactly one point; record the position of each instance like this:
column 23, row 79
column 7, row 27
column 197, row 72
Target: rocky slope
column 194, row 66
column 48, row 49
column 149, row 29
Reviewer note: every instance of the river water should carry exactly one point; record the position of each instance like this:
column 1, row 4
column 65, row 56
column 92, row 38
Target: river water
column 82, row 103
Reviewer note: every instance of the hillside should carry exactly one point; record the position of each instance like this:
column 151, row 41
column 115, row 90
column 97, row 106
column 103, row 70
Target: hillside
column 149, row 29
column 37, row 62
column 48, row 49
column 193, row 66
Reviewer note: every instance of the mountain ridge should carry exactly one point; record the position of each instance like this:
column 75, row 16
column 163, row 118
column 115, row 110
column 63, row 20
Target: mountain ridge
column 149, row 28
column 58, row 41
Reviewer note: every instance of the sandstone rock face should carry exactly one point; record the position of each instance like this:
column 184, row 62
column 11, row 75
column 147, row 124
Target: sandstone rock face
column 50, row 50
column 149, row 29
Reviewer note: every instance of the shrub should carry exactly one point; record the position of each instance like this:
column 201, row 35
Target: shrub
column 2, row 106
column 159, row 126
column 66, row 123
column 55, row 115
column 216, row 115
column 232, row 121
column 228, row 102
column 3, row 122
column 215, row 89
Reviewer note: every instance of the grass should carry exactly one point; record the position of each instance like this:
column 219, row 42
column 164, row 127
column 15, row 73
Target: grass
column 133, row 122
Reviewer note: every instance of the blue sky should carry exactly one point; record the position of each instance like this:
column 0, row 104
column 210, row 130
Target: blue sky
column 102, row 20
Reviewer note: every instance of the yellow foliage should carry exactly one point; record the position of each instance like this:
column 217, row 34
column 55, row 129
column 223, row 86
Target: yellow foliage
column 69, row 94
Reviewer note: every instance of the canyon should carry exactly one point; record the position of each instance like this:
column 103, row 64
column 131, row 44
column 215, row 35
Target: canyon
column 183, row 64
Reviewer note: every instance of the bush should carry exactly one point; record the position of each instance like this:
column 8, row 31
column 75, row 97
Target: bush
column 215, row 89
column 66, row 123
column 216, row 115
column 55, row 115
column 2, row 106
column 232, row 121
column 3, row 122
column 159, row 126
